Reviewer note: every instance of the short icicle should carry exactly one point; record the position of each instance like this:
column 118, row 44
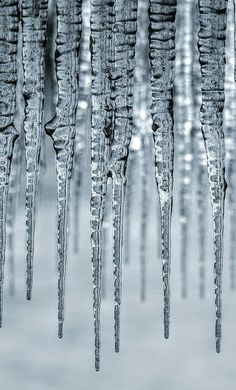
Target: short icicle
column 162, row 55
column 9, row 19
column 62, row 127
column 211, row 44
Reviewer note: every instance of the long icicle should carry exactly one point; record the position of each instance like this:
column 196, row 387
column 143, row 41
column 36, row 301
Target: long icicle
column 82, row 120
column 9, row 19
column 162, row 55
column 98, row 150
column 212, row 59
column 200, row 161
column 184, row 123
column 125, row 39
column 142, row 124
column 230, row 140
column 34, row 17
column 62, row 127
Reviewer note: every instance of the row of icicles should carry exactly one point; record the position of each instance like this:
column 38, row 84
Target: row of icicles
column 114, row 59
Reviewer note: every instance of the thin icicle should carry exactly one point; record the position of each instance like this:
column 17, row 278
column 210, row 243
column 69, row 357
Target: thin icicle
column 9, row 18
column 212, row 59
column 230, row 140
column 125, row 39
column 13, row 200
column 34, row 17
column 200, row 161
column 100, row 58
column 142, row 127
column 162, row 55
column 62, row 127
column 83, row 119
column 184, row 123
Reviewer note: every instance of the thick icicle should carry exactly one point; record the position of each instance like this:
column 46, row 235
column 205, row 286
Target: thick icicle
column 62, row 127
column 184, row 124
column 34, row 17
column 162, row 54
column 230, row 139
column 212, row 59
column 9, row 18
column 125, row 38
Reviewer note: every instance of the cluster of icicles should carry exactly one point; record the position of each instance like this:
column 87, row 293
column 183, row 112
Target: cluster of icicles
column 130, row 73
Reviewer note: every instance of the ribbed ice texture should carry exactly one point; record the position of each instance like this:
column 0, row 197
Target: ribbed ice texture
column 212, row 60
column 200, row 161
column 62, row 127
column 184, row 124
column 34, row 17
column 9, row 18
column 162, row 54
column 98, row 190
column 230, row 139
column 113, row 29
column 125, row 39
column 82, row 119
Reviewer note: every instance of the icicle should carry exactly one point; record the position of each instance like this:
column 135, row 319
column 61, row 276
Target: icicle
column 125, row 38
column 13, row 200
column 230, row 139
column 200, row 161
column 9, row 18
column 34, row 18
column 162, row 54
column 142, row 127
column 62, row 127
column 129, row 196
column 212, row 60
column 83, row 119
column 184, row 123
column 101, row 27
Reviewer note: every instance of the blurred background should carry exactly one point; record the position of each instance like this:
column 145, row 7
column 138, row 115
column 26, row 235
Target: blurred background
column 31, row 355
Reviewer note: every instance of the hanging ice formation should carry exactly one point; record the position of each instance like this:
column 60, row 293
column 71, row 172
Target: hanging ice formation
column 113, row 32
column 62, row 127
column 184, row 124
column 230, row 139
column 142, row 130
column 83, row 119
column 13, row 200
column 34, row 16
column 8, row 77
column 162, row 55
column 212, row 59
column 200, row 163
